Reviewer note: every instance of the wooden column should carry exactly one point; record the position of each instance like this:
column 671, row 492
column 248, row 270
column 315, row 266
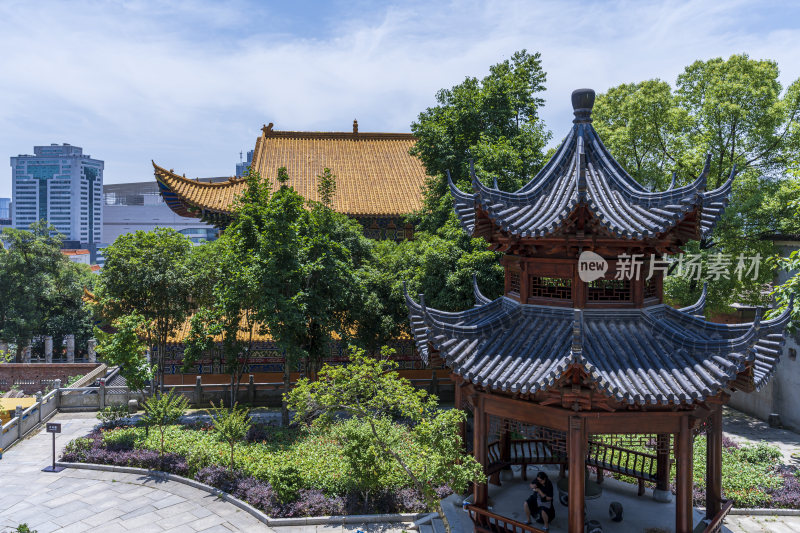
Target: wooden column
column 662, row 461
column 462, row 426
column 479, row 449
column 714, row 463
column 683, row 496
column 577, row 475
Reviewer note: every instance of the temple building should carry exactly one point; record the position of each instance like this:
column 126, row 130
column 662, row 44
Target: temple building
column 377, row 181
column 578, row 366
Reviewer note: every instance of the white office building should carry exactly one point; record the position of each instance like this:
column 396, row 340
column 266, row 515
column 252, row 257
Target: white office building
column 130, row 207
column 62, row 185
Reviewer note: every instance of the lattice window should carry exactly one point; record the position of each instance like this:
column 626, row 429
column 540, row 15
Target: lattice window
column 513, row 281
column 609, row 290
column 557, row 288
column 650, row 288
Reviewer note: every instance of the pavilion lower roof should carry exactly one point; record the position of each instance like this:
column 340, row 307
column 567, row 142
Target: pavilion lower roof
column 655, row 355
column 375, row 174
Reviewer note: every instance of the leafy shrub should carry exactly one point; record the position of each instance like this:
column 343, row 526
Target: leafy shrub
column 230, row 425
column 286, row 482
column 120, row 440
column 788, row 495
column 313, row 502
column 258, row 494
column 164, row 410
column 77, row 449
column 219, row 477
column 112, row 415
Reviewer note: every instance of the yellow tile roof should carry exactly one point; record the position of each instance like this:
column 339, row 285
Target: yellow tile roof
column 375, row 175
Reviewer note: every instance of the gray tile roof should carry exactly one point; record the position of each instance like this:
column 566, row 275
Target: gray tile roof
column 655, row 355
column 583, row 172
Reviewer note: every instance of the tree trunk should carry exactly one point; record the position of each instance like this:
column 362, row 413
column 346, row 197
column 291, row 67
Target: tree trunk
column 287, row 380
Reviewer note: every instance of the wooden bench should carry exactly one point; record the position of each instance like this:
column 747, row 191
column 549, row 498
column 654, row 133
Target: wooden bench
column 604, row 457
column 640, row 465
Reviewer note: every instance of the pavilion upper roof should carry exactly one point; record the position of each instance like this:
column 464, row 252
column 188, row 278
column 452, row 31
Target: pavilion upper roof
column 375, row 174
column 654, row 355
column 583, row 172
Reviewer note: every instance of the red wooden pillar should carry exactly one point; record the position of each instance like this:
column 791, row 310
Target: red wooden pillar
column 662, row 461
column 577, row 473
column 479, row 447
column 683, row 496
column 462, row 426
column 714, row 463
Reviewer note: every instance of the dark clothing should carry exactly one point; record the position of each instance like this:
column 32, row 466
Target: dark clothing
column 536, row 504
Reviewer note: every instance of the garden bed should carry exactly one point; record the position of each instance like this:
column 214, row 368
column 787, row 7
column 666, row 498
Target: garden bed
column 283, row 472
column 753, row 476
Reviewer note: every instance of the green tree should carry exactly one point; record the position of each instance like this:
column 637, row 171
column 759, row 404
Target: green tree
column 231, row 425
column 148, row 273
column 494, row 121
column 370, row 391
column 225, row 326
column 736, row 111
column 124, row 348
column 41, row 289
column 304, row 259
column 164, row 410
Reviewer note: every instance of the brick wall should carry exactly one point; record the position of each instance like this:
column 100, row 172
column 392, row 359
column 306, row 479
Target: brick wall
column 34, row 377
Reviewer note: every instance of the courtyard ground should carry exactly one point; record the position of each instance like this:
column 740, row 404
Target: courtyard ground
column 84, row 500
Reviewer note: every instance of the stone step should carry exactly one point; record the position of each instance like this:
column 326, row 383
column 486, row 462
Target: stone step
column 425, row 528
column 438, row 525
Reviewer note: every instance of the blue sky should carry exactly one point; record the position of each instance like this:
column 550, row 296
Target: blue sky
column 189, row 84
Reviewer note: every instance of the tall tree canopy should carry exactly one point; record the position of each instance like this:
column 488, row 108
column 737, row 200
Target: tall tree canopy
column 494, row 121
column 148, row 273
column 40, row 289
column 737, row 111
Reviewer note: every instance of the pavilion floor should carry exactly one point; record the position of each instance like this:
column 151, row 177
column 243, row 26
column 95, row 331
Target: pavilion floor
column 640, row 513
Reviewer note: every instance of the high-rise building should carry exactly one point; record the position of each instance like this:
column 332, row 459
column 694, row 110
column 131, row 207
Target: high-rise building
column 242, row 166
column 5, row 211
column 62, row 185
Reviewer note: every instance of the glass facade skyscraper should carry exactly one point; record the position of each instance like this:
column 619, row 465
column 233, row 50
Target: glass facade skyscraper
column 5, row 211
column 63, row 186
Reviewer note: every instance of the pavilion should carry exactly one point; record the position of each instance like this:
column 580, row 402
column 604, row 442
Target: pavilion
column 600, row 372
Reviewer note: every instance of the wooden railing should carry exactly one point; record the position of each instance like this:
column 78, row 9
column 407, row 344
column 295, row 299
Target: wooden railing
column 715, row 526
column 640, row 465
column 488, row 522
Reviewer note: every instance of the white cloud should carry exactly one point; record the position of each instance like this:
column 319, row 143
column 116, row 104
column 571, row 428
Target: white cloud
column 188, row 84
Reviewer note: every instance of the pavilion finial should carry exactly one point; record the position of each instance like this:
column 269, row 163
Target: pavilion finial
column 355, row 126
column 582, row 103
column 267, row 128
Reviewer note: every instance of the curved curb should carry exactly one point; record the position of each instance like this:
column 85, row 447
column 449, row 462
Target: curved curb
column 764, row 512
column 246, row 507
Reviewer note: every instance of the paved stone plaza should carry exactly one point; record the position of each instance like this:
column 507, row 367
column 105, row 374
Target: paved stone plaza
column 87, row 500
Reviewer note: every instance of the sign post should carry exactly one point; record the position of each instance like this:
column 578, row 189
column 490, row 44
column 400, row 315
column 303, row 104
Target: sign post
column 53, row 427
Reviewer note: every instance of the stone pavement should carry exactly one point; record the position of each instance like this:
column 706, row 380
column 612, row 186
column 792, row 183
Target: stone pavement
column 88, row 500
column 85, row 500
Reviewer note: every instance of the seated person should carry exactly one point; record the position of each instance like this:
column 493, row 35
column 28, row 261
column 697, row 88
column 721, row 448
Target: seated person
column 540, row 503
